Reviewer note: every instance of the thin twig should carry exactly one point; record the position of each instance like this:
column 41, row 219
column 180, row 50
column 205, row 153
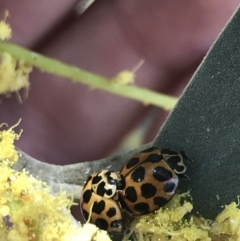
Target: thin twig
column 53, row 66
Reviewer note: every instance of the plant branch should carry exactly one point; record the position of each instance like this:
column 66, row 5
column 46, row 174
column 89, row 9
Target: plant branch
column 70, row 178
column 53, row 66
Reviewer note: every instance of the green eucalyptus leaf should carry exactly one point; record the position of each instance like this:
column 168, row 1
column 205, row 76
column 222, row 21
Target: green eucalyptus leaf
column 206, row 125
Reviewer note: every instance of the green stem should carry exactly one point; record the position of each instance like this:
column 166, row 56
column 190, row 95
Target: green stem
column 47, row 64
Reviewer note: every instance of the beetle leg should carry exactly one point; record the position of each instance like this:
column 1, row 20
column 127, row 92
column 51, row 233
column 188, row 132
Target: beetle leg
column 118, row 192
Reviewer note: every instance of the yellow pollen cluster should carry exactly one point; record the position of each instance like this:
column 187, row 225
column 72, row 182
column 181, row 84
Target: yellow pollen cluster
column 5, row 29
column 7, row 148
column 170, row 223
column 28, row 211
column 14, row 75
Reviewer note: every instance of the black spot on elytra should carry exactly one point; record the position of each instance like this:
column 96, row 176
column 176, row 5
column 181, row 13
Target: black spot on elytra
column 161, row 174
column 87, row 196
column 98, row 207
column 141, row 207
column 149, row 149
column 111, row 212
column 169, row 187
column 132, row 162
column 85, row 214
column 138, row 174
column 148, row 190
column 88, row 180
column 130, row 194
column 101, row 223
column 116, row 223
column 109, row 192
column 101, row 189
column 96, row 179
column 154, row 158
column 160, row 201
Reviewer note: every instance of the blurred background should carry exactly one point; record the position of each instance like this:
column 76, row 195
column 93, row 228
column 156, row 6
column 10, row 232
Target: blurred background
column 68, row 123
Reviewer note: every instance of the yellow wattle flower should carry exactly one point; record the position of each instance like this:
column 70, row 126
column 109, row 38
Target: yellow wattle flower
column 5, row 29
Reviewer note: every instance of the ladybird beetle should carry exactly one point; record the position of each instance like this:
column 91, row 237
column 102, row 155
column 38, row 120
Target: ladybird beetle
column 144, row 184
column 98, row 201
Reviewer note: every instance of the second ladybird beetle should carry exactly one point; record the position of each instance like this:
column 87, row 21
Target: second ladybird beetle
column 144, row 184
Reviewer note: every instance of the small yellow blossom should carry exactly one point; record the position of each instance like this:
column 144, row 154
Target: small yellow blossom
column 14, row 74
column 91, row 232
column 228, row 221
column 7, row 149
column 4, row 210
column 181, row 211
column 169, row 221
column 101, row 235
column 16, row 235
column 192, row 233
column 126, row 76
column 5, row 29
